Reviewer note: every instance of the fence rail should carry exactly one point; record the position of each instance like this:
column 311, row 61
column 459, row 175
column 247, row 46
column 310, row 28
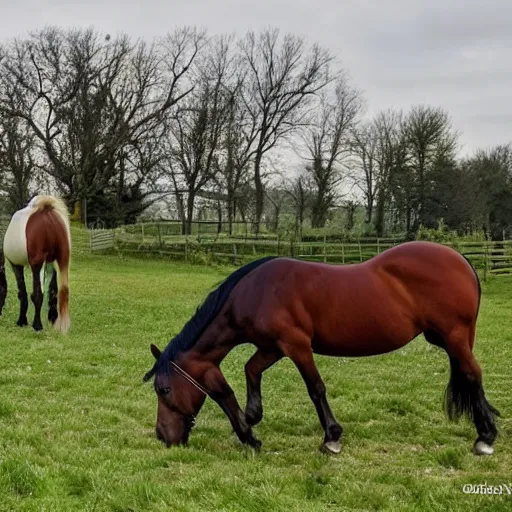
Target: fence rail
column 490, row 258
column 102, row 240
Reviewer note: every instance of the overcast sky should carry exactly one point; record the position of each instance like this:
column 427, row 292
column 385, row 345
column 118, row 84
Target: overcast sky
column 456, row 54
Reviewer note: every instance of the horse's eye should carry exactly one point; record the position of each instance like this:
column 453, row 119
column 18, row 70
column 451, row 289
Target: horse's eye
column 163, row 391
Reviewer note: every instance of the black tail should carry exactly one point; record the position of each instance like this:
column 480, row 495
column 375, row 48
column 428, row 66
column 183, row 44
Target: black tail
column 465, row 396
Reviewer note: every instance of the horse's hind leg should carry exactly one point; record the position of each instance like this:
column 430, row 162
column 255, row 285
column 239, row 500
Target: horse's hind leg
column 37, row 296
column 22, row 294
column 257, row 364
column 52, row 298
column 465, row 393
column 302, row 356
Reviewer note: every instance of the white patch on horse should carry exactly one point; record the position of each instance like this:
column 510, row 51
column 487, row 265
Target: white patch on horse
column 15, row 240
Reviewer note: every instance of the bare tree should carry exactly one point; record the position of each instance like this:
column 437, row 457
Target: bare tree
column 328, row 144
column 281, row 77
column 86, row 98
column 488, row 173
column 277, row 197
column 365, row 151
column 234, row 152
column 430, row 139
column 379, row 151
column 196, row 132
column 17, row 167
column 301, row 191
column 350, row 206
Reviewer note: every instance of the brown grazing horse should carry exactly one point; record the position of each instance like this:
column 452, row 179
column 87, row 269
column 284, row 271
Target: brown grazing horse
column 295, row 309
column 36, row 235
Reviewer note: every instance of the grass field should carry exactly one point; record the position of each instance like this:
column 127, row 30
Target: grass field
column 77, row 424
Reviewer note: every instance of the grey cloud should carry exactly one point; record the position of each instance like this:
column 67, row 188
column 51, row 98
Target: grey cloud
column 452, row 53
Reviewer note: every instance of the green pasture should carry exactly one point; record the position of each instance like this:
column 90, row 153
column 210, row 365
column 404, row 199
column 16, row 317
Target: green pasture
column 77, row 423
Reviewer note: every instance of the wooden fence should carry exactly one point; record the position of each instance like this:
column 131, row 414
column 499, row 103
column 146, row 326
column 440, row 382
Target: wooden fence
column 490, row 258
column 101, row 240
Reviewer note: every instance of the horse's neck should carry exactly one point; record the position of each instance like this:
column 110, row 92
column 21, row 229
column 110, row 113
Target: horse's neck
column 206, row 354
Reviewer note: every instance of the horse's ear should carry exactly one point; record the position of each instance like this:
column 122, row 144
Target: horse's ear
column 155, row 351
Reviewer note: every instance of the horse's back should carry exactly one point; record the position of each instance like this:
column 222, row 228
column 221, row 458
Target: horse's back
column 343, row 310
column 362, row 309
column 435, row 276
column 15, row 239
column 422, row 257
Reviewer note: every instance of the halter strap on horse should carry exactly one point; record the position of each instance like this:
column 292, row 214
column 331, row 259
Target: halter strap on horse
column 186, row 376
column 183, row 373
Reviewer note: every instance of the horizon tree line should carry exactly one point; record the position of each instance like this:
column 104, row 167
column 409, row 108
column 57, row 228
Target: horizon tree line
column 115, row 125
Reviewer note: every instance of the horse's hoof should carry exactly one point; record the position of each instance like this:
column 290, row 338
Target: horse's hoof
column 22, row 323
column 37, row 327
column 256, row 445
column 333, row 447
column 481, row 448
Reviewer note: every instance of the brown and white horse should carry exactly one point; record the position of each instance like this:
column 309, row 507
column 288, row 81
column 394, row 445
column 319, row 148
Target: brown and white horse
column 36, row 235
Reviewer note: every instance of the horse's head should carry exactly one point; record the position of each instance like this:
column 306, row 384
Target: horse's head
column 179, row 401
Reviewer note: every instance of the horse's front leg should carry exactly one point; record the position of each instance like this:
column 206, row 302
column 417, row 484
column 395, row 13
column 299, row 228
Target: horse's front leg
column 257, row 364
column 37, row 297
column 221, row 392
column 3, row 282
column 22, row 294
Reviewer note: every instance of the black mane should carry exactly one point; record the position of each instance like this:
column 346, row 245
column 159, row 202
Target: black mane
column 202, row 318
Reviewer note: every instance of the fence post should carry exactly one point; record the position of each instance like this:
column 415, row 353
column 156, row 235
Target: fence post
column 278, row 244
column 159, row 234
column 325, row 248
column 234, row 254
column 342, row 252
column 142, row 232
column 378, row 247
column 360, row 252
column 486, row 260
column 186, row 248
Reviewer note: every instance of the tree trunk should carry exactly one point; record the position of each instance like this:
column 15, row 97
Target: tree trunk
column 190, row 212
column 379, row 215
column 82, row 204
column 219, row 217
column 258, row 187
column 408, row 220
column 231, row 206
column 319, row 213
column 277, row 211
column 181, row 211
column 369, row 209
